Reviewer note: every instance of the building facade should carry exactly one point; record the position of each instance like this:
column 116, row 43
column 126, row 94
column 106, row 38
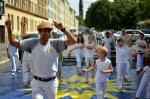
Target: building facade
column 60, row 10
column 25, row 16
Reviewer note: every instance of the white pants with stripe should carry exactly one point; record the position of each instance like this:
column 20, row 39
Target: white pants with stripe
column 44, row 90
column 14, row 62
column 121, row 71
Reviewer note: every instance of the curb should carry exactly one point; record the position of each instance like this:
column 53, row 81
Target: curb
column 4, row 61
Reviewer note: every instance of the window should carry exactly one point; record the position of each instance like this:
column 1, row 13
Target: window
column 12, row 19
column 18, row 25
column 8, row 16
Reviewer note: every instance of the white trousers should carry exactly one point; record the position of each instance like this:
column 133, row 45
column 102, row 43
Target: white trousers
column 139, row 63
column 121, row 71
column 44, row 90
column 144, row 84
column 100, row 89
column 26, row 73
column 79, row 58
column 14, row 60
column 128, row 71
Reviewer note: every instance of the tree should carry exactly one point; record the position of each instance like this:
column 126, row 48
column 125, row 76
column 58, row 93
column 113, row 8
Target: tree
column 103, row 14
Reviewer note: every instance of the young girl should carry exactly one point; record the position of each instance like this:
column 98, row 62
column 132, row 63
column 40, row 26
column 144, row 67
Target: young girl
column 141, row 45
column 145, row 82
column 104, row 67
column 121, row 62
column 89, row 54
column 79, row 52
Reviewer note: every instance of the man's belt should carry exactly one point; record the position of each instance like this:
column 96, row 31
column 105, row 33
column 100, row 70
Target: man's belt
column 45, row 79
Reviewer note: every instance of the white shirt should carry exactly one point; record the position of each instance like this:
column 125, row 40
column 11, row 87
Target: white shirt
column 44, row 57
column 139, row 43
column 89, row 52
column 12, row 50
column 107, row 43
column 129, row 52
column 78, row 50
column 102, row 77
column 121, row 54
column 146, row 74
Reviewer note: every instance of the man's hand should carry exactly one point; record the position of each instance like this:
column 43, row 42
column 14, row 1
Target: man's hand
column 8, row 24
column 58, row 25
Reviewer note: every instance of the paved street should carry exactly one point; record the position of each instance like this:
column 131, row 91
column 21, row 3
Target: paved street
column 73, row 86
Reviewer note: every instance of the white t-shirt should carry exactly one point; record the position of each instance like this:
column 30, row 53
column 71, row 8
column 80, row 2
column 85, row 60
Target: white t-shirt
column 129, row 52
column 139, row 43
column 12, row 50
column 100, row 77
column 107, row 43
column 44, row 58
column 89, row 52
column 121, row 54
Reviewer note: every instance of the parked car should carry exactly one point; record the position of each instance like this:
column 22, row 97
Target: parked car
column 61, row 36
column 136, row 34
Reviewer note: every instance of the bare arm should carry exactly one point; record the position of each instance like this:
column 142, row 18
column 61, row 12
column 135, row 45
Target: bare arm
column 71, row 39
column 12, row 40
column 141, row 73
column 128, row 40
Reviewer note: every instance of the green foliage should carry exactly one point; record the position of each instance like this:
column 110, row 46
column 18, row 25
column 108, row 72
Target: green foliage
column 103, row 14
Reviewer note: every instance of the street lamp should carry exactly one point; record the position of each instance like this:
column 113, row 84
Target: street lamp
column 1, row 8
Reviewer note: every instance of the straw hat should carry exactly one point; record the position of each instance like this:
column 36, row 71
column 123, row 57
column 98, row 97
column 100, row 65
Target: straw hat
column 44, row 25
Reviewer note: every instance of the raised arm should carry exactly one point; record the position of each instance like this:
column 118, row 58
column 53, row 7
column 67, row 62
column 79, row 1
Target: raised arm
column 12, row 40
column 70, row 38
column 129, row 39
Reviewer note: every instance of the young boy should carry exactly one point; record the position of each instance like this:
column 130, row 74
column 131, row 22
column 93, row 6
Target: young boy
column 145, row 82
column 121, row 62
column 104, row 67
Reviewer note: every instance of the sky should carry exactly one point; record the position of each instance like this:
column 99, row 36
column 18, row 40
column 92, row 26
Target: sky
column 75, row 4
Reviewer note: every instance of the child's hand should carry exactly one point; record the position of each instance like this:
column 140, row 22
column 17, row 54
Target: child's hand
column 84, row 70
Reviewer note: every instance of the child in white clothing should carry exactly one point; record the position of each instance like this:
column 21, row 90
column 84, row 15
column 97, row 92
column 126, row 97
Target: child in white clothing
column 89, row 54
column 145, row 82
column 107, row 42
column 79, row 52
column 121, row 62
column 104, row 67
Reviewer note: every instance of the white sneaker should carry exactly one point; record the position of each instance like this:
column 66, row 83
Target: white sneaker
column 13, row 73
column 120, row 86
